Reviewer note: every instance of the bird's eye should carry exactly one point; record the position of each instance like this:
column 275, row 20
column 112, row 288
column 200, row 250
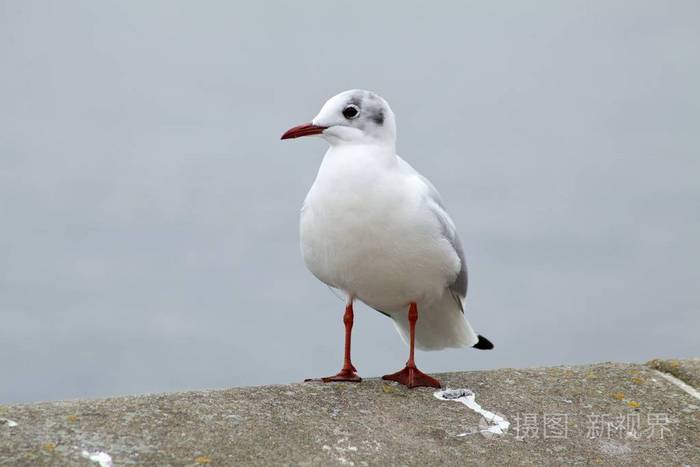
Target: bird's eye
column 351, row 111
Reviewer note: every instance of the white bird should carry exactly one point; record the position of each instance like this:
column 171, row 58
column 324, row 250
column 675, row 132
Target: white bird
column 375, row 228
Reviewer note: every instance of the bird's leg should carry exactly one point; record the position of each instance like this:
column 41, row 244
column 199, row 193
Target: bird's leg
column 348, row 372
column 412, row 376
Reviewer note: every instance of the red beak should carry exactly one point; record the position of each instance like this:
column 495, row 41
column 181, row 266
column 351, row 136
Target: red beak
column 303, row 130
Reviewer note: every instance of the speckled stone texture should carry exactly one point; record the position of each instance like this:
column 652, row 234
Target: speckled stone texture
column 687, row 370
column 601, row 414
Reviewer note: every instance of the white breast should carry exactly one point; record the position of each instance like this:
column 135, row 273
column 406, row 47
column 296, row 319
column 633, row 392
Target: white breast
column 366, row 229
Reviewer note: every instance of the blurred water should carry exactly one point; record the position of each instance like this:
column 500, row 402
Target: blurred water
column 148, row 210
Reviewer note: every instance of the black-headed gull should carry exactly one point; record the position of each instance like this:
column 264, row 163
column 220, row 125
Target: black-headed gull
column 375, row 228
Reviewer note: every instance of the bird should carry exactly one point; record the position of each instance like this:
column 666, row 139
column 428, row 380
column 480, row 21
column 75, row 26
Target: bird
column 376, row 229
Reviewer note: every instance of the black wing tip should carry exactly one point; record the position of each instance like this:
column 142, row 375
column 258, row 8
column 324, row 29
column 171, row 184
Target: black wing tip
column 483, row 344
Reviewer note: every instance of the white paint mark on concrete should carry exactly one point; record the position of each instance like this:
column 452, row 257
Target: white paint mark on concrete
column 681, row 384
column 8, row 422
column 102, row 458
column 690, row 408
column 496, row 424
column 614, row 448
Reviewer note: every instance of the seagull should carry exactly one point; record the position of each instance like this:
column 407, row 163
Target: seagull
column 376, row 229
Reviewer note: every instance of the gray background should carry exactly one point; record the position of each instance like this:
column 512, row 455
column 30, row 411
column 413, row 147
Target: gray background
column 149, row 212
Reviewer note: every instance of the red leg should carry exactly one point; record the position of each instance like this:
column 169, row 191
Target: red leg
column 411, row 376
column 348, row 372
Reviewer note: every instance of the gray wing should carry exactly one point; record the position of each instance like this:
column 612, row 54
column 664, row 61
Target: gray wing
column 458, row 288
column 459, row 285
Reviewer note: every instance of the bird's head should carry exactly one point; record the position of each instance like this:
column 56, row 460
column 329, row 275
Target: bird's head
column 351, row 117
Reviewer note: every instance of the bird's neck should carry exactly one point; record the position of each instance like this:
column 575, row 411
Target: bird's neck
column 350, row 161
column 381, row 151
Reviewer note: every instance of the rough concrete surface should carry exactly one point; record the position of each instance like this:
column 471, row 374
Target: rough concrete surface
column 601, row 414
column 686, row 370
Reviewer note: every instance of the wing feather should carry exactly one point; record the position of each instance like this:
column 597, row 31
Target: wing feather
column 458, row 288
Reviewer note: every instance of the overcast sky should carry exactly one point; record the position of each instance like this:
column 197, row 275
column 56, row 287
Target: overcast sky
column 149, row 211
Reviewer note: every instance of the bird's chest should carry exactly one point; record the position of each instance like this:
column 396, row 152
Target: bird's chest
column 359, row 231
column 351, row 217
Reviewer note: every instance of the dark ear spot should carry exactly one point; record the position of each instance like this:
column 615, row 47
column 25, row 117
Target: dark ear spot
column 378, row 117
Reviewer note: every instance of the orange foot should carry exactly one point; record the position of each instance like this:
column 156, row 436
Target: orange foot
column 412, row 377
column 346, row 374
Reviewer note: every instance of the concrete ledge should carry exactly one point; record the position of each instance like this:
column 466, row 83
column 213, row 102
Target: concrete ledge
column 608, row 413
column 687, row 370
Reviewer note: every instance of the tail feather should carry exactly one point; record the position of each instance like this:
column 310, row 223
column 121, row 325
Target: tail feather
column 440, row 325
column 483, row 344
